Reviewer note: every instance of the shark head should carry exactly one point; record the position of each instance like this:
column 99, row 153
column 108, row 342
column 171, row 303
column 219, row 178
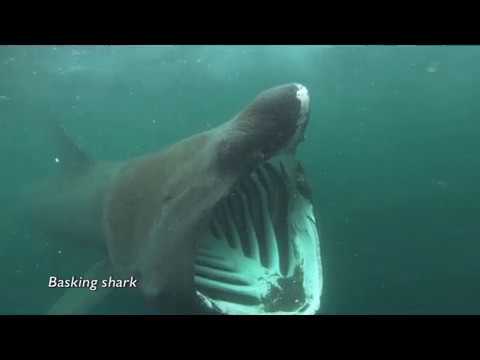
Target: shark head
column 274, row 122
column 262, row 254
column 164, row 207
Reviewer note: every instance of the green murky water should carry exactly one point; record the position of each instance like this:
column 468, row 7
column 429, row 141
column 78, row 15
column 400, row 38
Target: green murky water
column 391, row 153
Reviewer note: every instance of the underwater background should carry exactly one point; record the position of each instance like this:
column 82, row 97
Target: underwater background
column 391, row 153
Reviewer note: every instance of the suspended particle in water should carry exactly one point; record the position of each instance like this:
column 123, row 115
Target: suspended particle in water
column 440, row 183
column 433, row 67
column 57, row 160
column 9, row 60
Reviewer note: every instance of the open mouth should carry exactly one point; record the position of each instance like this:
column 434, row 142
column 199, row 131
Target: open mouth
column 262, row 255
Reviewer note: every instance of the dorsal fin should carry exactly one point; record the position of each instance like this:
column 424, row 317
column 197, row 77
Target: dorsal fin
column 69, row 157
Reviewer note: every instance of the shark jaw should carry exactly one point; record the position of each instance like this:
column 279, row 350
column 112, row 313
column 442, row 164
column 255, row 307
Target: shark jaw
column 262, row 253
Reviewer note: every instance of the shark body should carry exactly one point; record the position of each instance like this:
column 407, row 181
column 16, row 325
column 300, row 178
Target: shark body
column 148, row 215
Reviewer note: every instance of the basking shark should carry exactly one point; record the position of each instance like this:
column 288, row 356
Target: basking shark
column 223, row 219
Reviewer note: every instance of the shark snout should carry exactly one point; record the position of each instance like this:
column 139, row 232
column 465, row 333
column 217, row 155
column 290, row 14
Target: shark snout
column 278, row 117
column 273, row 122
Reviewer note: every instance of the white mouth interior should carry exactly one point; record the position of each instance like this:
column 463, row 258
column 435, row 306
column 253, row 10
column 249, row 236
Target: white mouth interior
column 263, row 252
